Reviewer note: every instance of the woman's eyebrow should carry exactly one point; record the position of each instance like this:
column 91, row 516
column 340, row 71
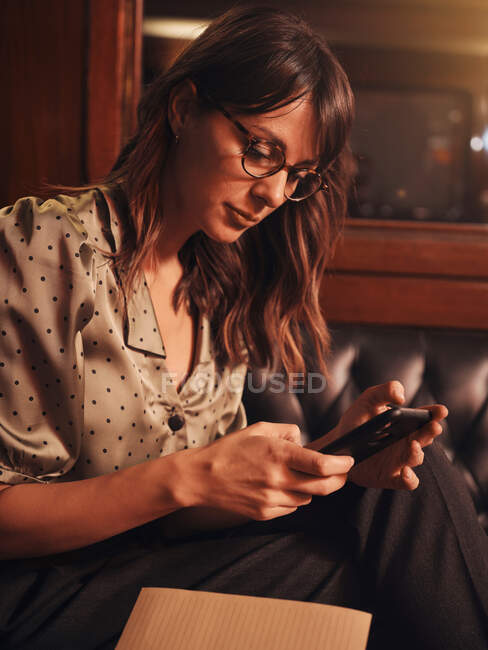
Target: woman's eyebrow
column 277, row 140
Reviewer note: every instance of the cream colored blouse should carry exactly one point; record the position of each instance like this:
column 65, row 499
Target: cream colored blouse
column 84, row 390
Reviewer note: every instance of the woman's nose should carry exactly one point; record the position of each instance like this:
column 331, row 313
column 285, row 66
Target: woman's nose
column 271, row 189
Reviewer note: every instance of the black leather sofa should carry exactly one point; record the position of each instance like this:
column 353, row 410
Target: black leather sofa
column 435, row 366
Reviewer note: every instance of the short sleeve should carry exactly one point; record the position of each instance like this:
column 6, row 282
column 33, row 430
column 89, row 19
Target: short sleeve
column 47, row 298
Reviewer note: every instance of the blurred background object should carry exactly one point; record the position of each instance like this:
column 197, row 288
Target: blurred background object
column 419, row 70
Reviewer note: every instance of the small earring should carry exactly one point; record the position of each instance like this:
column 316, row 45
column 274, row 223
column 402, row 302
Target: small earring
column 177, row 138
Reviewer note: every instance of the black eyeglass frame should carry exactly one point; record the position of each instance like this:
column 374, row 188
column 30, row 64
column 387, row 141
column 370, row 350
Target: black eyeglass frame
column 252, row 140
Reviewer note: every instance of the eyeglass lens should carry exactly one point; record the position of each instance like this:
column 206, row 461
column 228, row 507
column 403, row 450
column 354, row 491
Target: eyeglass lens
column 264, row 159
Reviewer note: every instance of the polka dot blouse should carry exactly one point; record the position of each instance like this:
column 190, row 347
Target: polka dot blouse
column 84, row 389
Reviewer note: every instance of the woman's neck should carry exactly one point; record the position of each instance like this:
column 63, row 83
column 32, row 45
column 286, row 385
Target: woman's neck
column 166, row 272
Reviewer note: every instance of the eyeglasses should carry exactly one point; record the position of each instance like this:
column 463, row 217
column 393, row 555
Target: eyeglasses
column 263, row 158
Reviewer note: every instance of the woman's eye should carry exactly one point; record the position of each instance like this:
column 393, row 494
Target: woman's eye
column 299, row 175
column 260, row 152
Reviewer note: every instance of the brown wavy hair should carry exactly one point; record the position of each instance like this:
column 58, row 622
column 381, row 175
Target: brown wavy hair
column 263, row 289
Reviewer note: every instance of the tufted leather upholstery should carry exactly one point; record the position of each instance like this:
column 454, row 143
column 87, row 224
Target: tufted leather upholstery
column 442, row 366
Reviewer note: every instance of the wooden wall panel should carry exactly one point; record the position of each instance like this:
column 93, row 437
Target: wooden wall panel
column 406, row 273
column 390, row 300
column 70, row 76
column 114, row 79
column 41, row 110
column 402, row 273
column 412, row 248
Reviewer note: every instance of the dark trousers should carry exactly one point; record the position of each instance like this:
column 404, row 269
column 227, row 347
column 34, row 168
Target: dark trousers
column 418, row 561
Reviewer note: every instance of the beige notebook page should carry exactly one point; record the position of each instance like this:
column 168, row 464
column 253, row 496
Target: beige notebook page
column 179, row 619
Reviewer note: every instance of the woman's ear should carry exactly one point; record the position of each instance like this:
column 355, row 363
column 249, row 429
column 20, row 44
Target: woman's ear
column 182, row 103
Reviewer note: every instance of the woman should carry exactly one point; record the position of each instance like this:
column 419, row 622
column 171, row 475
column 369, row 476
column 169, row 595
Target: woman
column 131, row 313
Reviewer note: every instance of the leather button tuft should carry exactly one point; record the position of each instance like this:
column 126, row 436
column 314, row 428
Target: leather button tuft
column 176, row 422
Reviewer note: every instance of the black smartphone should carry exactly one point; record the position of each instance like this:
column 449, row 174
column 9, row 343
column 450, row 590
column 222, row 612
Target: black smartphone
column 379, row 432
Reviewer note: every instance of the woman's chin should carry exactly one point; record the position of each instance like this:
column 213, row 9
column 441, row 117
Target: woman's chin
column 224, row 234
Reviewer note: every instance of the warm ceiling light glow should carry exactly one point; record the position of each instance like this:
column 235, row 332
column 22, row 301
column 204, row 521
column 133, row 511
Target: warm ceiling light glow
column 185, row 28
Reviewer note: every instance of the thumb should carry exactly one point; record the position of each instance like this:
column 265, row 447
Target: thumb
column 379, row 396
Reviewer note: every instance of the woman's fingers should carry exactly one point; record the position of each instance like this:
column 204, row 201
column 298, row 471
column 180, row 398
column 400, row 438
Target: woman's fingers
column 273, row 512
column 312, row 473
column 439, row 411
column 377, row 397
column 290, row 432
column 300, row 492
column 414, row 455
column 294, row 499
column 429, row 431
column 312, row 462
column 427, row 434
column 406, row 480
column 318, row 486
column 288, row 501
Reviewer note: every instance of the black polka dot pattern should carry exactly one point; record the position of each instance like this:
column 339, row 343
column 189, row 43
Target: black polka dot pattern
column 85, row 379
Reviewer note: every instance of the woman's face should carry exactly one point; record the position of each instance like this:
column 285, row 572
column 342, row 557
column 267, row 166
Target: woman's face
column 211, row 191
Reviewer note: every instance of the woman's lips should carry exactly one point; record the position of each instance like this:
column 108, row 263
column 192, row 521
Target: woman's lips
column 244, row 215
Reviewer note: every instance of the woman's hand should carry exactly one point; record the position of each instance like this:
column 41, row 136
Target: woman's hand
column 393, row 467
column 260, row 472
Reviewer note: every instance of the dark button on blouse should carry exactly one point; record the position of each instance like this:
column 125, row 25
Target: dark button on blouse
column 176, row 422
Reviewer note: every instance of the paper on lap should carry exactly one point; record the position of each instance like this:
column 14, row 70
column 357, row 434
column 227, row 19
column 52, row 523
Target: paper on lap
column 180, row 619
